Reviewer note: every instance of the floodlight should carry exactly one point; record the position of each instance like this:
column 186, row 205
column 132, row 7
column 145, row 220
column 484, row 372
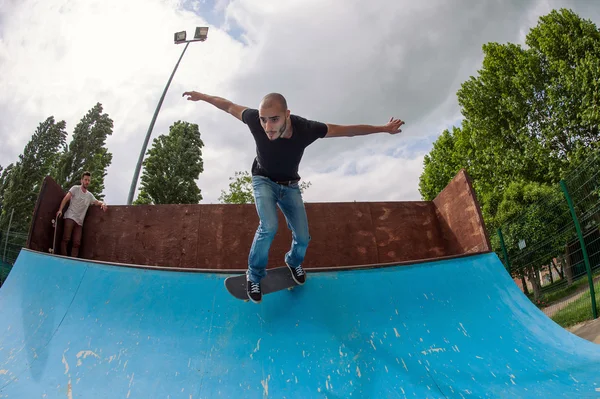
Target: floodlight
column 201, row 33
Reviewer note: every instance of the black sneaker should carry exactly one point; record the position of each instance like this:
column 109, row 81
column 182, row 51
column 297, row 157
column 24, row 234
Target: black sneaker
column 254, row 291
column 298, row 274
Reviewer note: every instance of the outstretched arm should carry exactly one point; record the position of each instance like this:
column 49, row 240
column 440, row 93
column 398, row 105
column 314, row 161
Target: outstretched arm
column 392, row 127
column 221, row 103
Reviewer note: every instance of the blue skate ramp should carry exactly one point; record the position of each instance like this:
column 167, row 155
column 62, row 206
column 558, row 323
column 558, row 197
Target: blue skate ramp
column 456, row 328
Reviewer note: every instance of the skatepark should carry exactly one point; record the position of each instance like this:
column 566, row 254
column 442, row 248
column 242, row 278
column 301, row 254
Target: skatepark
column 403, row 299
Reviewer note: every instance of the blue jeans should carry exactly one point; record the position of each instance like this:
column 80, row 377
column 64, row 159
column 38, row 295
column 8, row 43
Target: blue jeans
column 267, row 196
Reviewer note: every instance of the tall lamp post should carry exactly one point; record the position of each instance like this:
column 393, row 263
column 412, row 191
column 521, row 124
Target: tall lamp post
column 180, row 37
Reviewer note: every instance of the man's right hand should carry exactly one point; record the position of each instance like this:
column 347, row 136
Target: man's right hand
column 219, row 102
column 193, row 95
column 58, row 214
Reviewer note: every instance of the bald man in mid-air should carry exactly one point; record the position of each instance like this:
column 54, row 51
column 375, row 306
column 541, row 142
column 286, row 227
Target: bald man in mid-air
column 280, row 142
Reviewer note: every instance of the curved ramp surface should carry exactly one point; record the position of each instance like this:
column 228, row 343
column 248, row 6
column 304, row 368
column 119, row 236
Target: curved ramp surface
column 447, row 329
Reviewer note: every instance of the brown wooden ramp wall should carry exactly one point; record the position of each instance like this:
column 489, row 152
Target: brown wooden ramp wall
column 219, row 236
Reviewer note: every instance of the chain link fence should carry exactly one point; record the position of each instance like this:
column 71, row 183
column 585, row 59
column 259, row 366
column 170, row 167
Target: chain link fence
column 11, row 243
column 552, row 248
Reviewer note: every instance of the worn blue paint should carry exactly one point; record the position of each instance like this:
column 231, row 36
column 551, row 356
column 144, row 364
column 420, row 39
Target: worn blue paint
column 445, row 329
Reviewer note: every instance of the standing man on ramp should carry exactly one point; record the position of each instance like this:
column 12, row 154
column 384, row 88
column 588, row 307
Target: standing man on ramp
column 80, row 199
column 280, row 142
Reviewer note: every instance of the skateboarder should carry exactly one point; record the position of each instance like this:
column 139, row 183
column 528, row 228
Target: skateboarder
column 80, row 199
column 280, row 139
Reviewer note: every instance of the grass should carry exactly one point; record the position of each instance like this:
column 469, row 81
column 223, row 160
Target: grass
column 579, row 310
column 549, row 298
column 564, row 292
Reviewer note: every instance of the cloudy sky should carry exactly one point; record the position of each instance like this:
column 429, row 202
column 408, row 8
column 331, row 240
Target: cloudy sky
column 336, row 61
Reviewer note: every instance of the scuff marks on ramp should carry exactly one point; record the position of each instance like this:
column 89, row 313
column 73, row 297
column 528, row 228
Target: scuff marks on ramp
column 85, row 354
column 67, row 373
column 265, row 385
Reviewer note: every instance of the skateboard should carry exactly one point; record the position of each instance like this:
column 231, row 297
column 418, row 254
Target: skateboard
column 276, row 279
column 55, row 225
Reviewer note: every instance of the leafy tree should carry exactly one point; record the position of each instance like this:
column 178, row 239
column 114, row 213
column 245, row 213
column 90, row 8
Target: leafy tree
column 172, row 166
column 4, row 178
column 20, row 184
column 240, row 189
column 567, row 50
column 530, row 114
column 537, row 214
column 449, row 155
column 87, row 152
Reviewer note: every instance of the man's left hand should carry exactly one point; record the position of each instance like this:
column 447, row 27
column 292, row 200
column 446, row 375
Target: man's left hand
column 393, row 126
column 103, row 206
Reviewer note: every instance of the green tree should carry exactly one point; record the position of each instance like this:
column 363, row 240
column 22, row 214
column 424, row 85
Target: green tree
column 4, row 179
column 450, row 154
column 537, row 214
column 240, row 189
column 20, row 185
column 530, row 114
column 87, row 152
column 172, row 166
column 567, row 50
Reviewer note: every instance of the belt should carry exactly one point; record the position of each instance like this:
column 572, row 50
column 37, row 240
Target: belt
column 286, row 182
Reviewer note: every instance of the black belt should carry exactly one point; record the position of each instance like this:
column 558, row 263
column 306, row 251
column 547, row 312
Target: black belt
column 286, row 182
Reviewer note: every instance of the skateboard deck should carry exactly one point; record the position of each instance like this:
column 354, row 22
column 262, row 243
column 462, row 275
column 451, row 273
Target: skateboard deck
column 276, row 279
column 55, row 225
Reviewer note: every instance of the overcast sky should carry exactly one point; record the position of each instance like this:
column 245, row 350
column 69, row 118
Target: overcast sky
column 336, row 61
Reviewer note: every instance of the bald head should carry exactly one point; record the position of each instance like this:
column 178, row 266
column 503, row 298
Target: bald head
column 274, row 116
column 273, row 100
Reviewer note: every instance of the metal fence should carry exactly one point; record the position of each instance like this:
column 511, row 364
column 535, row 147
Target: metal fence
column 552, row 248
column 10, row 246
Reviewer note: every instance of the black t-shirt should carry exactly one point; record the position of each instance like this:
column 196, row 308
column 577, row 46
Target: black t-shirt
column 279, row 159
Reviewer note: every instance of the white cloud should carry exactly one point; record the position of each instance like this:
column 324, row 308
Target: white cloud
column 63, row 57
column 336, row 61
